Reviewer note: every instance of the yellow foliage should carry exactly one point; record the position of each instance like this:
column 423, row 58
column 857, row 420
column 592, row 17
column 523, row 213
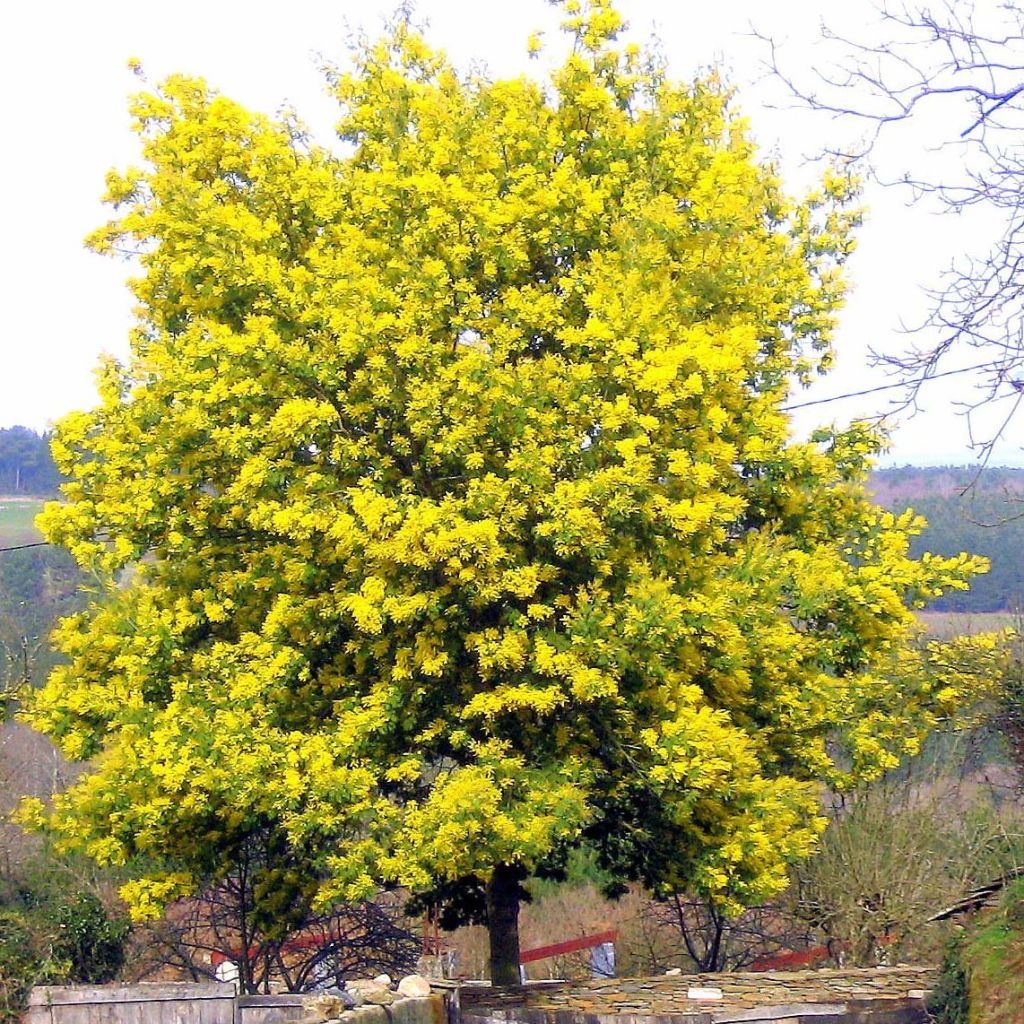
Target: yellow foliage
column 463, row 516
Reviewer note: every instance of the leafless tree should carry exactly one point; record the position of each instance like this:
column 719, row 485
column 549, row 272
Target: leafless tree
column 18, row 655
column 298, row 948
column 955, row 70
column 715, row 942
column 30, row 765
column 200, row 934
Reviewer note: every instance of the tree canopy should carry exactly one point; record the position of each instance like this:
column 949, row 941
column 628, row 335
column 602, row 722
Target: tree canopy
column 463, row 518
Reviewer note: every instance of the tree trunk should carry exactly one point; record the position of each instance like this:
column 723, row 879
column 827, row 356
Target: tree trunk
column 503, row 925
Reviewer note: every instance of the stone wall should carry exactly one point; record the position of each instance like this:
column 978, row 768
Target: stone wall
column 879, row 996
column 873, row 996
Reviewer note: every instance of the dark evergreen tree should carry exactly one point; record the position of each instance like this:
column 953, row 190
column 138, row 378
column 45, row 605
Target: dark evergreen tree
column 26, row 467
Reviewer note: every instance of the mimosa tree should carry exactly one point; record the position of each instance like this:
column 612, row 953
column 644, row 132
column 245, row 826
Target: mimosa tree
column 463, row 520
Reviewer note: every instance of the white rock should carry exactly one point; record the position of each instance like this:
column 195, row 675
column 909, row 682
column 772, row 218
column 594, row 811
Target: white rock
column 673, row 972
column 414, row 986
column 383, row 979
column 704, row 993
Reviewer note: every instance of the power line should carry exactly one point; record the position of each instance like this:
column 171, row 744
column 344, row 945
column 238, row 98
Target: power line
column 25, row 547
column 890, row 387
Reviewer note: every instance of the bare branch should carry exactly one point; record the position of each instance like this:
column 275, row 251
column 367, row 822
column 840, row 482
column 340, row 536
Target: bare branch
column 968, row 64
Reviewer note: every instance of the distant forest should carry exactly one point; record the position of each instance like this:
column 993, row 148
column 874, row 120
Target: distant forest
column 983, row 516
column 26, row 467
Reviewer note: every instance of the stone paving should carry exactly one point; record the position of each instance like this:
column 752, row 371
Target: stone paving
column 883, row 994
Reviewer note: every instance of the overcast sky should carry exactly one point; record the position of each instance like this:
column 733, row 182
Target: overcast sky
column 64, row 85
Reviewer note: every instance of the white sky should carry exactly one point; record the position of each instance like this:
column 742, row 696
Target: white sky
column 64, row 85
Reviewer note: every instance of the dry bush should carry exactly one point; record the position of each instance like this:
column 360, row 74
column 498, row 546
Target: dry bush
column 895, row 855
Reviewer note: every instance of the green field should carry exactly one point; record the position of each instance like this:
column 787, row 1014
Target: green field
column 944, row 625
column 17, row 517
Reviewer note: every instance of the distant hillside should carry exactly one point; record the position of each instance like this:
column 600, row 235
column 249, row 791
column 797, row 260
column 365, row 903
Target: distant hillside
column 984, row 519
column 905, row 483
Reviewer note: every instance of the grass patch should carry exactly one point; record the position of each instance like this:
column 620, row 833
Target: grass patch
column 994, row 958
column 17, row 520
column 945, row 625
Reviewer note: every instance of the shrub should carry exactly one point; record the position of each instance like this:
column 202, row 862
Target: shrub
column 88, row 940
column 948, row 1002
